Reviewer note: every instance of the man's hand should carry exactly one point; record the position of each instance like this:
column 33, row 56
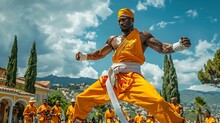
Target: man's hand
column 185, row 41
column 182, row 44
column 78, row 56
column 81, row 56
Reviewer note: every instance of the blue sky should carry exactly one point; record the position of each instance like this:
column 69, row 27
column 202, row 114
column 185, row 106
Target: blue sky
column 62, row 28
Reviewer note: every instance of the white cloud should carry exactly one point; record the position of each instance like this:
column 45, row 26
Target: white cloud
column 204, row 88
column 204, row 47
column 155, row 3
column 2, row 18
column 88, row 72
column 161, row 24
column 153, row 74
column 104, row 72
column 192, row 13
column 91, row 35
column 57, row 33
column 141, row 6
column 186, row 52
column 152, row 27
column 177, row 17
column 213, row 19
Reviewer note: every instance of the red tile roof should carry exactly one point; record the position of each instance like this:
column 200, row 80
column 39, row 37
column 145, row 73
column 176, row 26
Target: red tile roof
column 13, row 90
column 38, row 84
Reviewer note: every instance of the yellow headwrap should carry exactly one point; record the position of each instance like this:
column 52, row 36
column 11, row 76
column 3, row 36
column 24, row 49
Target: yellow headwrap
column 125, row 12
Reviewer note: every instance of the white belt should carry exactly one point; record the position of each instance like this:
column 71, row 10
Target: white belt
column 123, row 67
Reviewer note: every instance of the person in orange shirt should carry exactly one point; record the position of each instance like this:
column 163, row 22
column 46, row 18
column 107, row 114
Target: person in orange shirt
column 138, row 118
column 70, row 111
column 150, row 118
column 109, row 115
column 30, row 111
column 209, row 118
column 117, row 120
column 124, row 76
column 56, row 113
column 44, row 112
column 178, row 108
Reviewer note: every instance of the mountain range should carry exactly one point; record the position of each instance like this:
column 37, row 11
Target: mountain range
column 64, row 81
column 187, row 96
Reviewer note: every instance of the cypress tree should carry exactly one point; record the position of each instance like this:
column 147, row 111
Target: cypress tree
column 31, row 72
column 165, row 77
column 172, row 88
column 12, row 66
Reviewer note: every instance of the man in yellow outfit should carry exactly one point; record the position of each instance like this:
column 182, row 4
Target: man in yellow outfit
column 30, row 111
column 70, row 111
column 109, row 115
column 56, row 113
column 178, row 108
column 138, row 118
column 129, row 84
column 44, row 112
column 150, row 118
column 209, row 118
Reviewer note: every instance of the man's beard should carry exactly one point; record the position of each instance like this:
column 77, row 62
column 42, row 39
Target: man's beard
column 128, row 29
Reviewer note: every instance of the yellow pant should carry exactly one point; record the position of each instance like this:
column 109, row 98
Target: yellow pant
column 46, row 121
column 141, row 93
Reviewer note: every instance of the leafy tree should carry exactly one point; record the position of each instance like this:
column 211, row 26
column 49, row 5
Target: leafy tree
column 100, row 111
column 31, row 73
column 12, row 66
column 172, row 88
column 200, row 103
column 165, row 77
column 211, row 72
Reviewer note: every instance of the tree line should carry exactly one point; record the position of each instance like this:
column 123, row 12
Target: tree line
column 31, row 72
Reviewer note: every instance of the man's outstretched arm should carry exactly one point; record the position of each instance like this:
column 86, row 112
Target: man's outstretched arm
column 166, row 48
column 97, row 54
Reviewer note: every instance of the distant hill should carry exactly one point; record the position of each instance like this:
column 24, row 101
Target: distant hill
column 210, row 97
column 66, row 80
column 187, row 96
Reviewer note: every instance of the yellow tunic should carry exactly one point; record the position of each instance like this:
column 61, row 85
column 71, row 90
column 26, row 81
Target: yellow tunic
column 176, row 107
column 117, row 121
column 130, row 87
column 28, row 109
column 138, row 119
column 210, row 120
column 109, row 116
column 69, row 113
column 42, row 117
column 150, row 120
column 125, row 114
column 57, row 112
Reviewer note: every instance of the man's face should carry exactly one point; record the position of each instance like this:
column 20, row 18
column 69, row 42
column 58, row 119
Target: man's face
column 125, row 23
column 174, row 101
column 206, row 114
column 45, row 102
column 58, row 103
column 31, row 103
column 73, row 103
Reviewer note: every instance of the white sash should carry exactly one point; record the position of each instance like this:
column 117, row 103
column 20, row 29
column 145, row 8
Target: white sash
column 124, row 67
